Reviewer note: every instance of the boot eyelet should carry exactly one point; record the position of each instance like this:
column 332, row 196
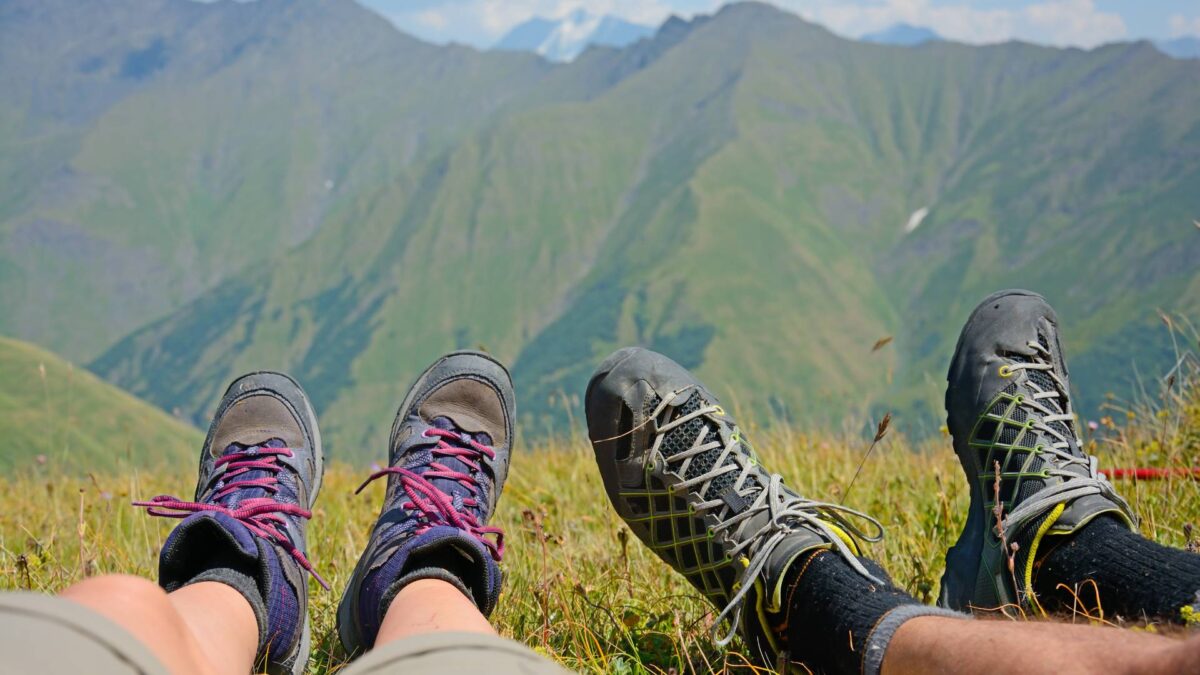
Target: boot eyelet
column 1005, row 371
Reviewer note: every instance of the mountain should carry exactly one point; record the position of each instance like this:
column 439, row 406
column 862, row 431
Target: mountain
column 747, row 192
column 902, row 34
column 160, row 146
column 56, row 414
column 564, row 39
column 1180, row 48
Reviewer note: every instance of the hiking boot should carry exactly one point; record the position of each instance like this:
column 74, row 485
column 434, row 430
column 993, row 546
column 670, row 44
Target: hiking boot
column 681, row 474
column 260, row 472
column 1009, row 412
column 448, row 458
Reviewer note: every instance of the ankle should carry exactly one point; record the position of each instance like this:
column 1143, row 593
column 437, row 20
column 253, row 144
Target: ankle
column 427, row 606
column 839, row 620
column 1105, row 559
column 443, row 556
column 216, row 548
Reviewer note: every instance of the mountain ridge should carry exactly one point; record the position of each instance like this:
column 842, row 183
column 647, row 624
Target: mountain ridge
column 734, row 191
column 253, row 164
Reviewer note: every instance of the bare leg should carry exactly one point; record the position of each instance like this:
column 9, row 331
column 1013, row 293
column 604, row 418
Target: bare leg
column 429, row 606
column 203, row 628
column 931, row 644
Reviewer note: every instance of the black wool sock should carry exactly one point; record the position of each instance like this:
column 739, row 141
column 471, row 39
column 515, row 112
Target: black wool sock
column 839, row 621
column 1137, row 578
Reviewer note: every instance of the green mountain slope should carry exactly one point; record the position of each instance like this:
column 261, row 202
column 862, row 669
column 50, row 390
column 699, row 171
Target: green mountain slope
column 734, row 192
column 76, row 422
column 151, row 148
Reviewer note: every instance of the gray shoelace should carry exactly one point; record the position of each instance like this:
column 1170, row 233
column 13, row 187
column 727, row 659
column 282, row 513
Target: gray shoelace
column 1058, row 454
column 788, row 512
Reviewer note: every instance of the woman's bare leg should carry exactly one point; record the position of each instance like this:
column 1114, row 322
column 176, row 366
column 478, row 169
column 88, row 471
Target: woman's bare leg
column 203, row 628
column 429, row 606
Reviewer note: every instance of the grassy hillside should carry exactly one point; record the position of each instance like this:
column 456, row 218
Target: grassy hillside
column 58, row 418
column 579, row 588
column 327, row 196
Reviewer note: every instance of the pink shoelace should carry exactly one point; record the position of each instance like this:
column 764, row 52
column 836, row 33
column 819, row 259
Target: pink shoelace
column 261, row 515
column 437, row 507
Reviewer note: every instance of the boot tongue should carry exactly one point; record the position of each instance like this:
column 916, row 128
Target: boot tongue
column 461, row 421
column 447, row 424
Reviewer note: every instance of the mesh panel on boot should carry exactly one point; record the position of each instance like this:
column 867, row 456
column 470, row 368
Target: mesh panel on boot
column 684, row 436
column 1001, row 438
column 677, row 535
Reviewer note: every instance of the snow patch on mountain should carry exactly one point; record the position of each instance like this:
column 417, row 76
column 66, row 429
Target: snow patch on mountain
column 914, row 221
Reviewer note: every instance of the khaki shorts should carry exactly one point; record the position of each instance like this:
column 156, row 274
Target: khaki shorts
column 46, row 634
column 453, row 653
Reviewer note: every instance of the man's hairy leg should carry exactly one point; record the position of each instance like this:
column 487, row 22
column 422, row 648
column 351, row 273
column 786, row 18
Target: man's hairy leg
column 932, row 644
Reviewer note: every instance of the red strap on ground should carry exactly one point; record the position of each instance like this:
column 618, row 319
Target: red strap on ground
column 1152, row 473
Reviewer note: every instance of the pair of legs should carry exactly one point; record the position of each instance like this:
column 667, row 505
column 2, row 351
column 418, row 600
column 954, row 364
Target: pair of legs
column 430, row 565
column 788, row 571
column 209, row 627
column 233, row 575
column 185, row 633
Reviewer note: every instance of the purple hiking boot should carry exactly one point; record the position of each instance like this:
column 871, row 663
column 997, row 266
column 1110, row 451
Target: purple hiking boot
column 260, row 472
column 448, row 458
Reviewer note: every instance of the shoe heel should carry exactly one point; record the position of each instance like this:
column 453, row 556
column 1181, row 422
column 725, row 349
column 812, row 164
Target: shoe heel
column 958, row 584
column 301, row 663
column 962, row 564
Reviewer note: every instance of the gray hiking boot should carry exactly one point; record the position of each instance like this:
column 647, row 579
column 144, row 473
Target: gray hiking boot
column 683, row 477
column 260, row 472
column 1009, row 411
column 449, row 455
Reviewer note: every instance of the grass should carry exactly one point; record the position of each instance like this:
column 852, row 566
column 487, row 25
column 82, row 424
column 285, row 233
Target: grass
column 52, row 412
column 579, row 588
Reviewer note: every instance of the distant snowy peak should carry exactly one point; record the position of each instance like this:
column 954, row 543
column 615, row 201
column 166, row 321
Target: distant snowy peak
column 902, row 34
column 566, row 38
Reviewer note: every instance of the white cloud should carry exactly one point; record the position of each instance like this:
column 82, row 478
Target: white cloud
column 433, row 19
column 1058, row 22
column 1181, row 25
column 1073, row 22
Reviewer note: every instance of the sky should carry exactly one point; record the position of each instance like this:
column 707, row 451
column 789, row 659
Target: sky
column 1078, row 23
